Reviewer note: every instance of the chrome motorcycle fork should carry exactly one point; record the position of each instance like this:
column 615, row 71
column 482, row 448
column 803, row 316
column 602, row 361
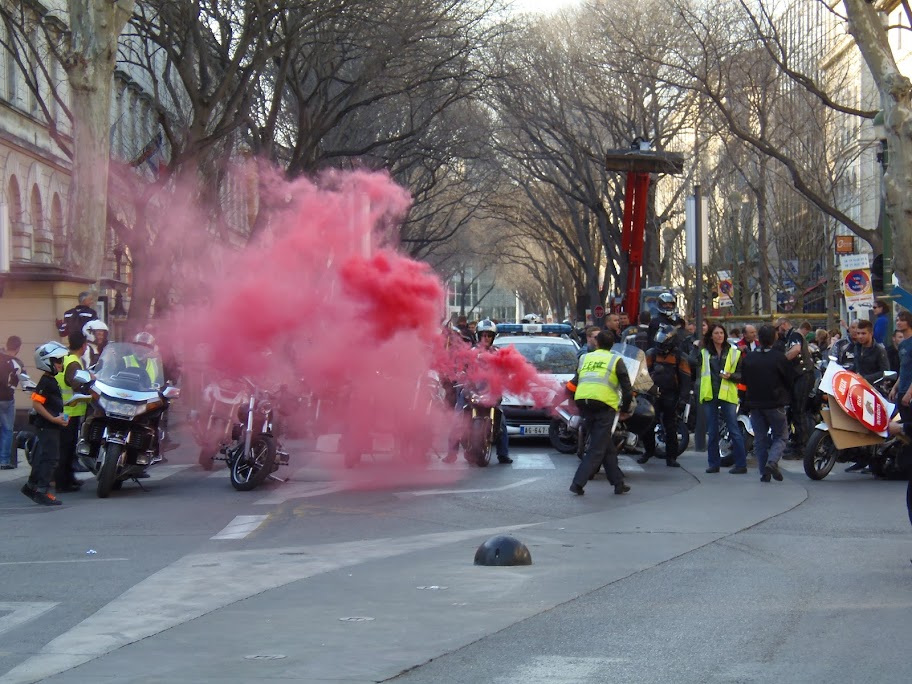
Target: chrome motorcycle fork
column 248, row 433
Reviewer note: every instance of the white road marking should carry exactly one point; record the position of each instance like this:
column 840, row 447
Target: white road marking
column 532, row 461
column 629, row 465
column 172, row 595
column 553, row 668
column 429, row 492
column 69, row 560
column 241, row 526
column 298, row 490
column 21, row 612
column 160, row 472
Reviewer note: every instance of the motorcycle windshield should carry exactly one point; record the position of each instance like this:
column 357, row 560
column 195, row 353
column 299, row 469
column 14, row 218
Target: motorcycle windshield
column 635, row 360
column 130, row 367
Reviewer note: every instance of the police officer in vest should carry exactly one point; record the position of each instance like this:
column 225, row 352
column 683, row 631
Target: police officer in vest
column 794, row 345
column 64, row 478
column 670, row 371
column 147, row 358
column 601, row 387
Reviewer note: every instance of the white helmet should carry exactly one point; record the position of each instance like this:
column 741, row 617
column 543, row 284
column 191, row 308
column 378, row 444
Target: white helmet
column 47, row 353
column 486, row 326
column 89, row 329
column 531, row 318
column 144, row 339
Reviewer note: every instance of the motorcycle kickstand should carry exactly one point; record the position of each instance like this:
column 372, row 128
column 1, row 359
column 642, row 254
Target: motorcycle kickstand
column 136, row 480
column 272, row 476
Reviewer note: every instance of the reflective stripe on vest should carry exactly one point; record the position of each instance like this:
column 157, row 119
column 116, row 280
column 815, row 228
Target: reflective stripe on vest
column 66, row 391
column 152, row 367
column 728, row 391
column 598, row 378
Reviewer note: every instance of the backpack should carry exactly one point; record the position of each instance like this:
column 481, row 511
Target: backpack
column 8, row 377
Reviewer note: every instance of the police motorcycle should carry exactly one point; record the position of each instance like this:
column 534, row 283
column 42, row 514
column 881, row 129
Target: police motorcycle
column 119, row 436
column 846, row 392
column 629, row 432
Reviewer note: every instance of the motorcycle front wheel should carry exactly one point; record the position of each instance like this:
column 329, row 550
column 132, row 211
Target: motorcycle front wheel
column 562, row 438
column 107, row 474
column 820, row 455
column 481, row 442
column 250, row 470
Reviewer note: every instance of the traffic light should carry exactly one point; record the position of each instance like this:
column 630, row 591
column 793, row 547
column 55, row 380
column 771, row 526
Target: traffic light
column 877, row 273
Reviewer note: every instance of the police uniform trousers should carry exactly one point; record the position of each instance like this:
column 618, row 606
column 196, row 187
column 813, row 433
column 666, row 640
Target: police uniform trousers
column 599, row 420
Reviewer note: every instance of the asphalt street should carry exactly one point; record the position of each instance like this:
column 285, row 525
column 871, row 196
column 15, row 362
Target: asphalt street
column 688, row 578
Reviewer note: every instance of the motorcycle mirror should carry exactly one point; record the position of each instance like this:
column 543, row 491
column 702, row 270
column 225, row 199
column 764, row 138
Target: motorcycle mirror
column 171, row 393
column 82, row 377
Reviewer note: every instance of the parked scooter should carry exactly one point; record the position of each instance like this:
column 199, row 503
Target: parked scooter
column 885, row 459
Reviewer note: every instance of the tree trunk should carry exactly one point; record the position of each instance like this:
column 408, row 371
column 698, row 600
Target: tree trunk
column 896, row 100
column 95, row 26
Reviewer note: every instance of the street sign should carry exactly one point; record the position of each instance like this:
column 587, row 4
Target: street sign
column 599, row 311
column 845, row 244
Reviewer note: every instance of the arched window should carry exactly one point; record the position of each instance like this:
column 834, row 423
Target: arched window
column 21, row 236
column 58, row 230
column 43, row 242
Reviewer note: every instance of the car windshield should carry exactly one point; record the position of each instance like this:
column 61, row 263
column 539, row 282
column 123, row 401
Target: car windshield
column 548, row 357
column 129, row 367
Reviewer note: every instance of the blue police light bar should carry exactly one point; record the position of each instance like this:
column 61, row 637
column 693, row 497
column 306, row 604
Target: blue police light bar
column 534, row 329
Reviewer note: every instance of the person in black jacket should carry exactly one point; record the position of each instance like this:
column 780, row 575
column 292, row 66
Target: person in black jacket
column 795, row 347
column 670, row 371
column 768, row 376
column 74, row 319
column 869, row 358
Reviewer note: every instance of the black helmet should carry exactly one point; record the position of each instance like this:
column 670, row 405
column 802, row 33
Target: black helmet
column 667, row 303
column 666, row 337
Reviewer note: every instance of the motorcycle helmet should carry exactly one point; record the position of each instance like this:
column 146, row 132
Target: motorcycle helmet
column 47, row 353
column 665, row 338
column 531, row 318
column 667, row 303
column 486, row 326
column 145, row 339
column 90, row 328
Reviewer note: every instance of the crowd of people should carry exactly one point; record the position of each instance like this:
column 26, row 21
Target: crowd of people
column 765, row 371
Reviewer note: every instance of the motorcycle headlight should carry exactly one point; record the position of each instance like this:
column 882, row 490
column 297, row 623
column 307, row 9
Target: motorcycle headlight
column 121, row 409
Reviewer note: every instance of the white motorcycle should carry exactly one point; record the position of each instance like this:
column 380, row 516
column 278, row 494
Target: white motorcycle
column 120, row 433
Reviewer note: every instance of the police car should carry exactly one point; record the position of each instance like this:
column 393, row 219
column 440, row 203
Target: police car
column 554, row 355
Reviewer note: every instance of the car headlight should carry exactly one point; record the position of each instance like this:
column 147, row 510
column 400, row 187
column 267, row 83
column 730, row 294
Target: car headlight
column 121, row 409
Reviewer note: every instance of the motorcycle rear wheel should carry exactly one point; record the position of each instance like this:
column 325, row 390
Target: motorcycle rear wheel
column 107, row 474
column 250, row 470
column 481, row 442
column 562, row 438
column 820, row 455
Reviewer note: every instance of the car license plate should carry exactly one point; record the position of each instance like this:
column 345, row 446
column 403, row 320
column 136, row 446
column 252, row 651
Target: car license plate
column 533, row 430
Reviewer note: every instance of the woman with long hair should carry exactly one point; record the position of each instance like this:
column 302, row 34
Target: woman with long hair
column 720, row 373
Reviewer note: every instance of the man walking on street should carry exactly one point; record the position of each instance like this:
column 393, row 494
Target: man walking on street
column 10, row 367
column 768, row 375
column 601, row 387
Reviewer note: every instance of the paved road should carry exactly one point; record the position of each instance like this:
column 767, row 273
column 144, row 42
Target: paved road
column 689, row 578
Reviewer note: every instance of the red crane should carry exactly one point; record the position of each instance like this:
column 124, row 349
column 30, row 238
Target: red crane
column 639, row 162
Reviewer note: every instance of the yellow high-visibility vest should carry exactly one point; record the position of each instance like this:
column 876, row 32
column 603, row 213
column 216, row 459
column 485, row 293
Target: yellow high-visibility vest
column 728, row 390
column 598, row 378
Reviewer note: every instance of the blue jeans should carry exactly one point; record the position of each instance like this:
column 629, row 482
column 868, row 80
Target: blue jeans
column 730, row 416
column 771, row 433
column 7, row 418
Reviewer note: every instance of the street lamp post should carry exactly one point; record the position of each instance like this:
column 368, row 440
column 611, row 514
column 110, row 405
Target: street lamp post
column 886, row 227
